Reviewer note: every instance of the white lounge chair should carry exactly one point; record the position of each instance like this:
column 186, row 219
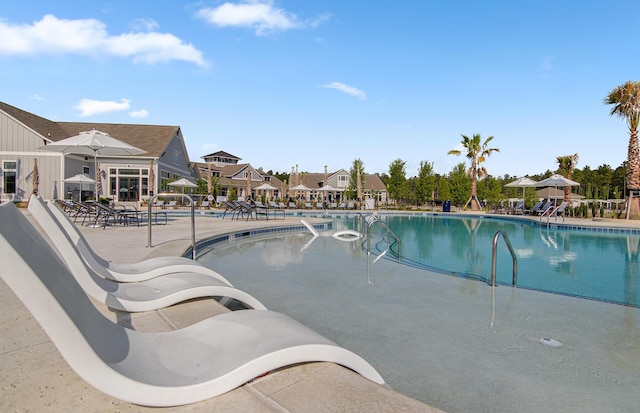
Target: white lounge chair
column 171, row 368
column 128, row 272
column 158, row 292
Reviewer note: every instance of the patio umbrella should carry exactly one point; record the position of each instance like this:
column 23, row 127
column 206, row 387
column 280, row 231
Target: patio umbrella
column 183, row 183
column 358, row 186
column 35, row 177
column 80, row 179
column 93, row 142
column 327, row 189
column 266, row 187
column 556, row 181
column 300, row 187
column 523, row 183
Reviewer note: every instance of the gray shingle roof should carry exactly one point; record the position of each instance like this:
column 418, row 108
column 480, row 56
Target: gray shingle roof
column 151, row 138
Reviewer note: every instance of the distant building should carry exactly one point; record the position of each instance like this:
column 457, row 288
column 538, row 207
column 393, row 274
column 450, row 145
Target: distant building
column 242, row 178
column 232, row 175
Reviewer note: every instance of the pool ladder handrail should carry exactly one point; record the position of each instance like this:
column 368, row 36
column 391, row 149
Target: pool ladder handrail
column 494, row 251
column 370, row 220
column 193, row 220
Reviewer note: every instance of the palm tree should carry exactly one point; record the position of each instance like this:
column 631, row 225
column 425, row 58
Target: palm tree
column 626, row 104
column 566, row 165
column 477, row 153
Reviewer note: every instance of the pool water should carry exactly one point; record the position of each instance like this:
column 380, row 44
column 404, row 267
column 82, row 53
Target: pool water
column 582, row 263
column 452, row 342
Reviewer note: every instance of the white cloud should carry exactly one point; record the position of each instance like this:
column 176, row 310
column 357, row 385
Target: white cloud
column 89, row 37
column 260, row 15
column 142, row 113
column 349, row 90
column 88, row 107
column 36, row 96
column 144, row 24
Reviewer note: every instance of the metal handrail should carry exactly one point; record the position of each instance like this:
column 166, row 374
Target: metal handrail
column 370, row 220
column 493, row 257
column 193, row 220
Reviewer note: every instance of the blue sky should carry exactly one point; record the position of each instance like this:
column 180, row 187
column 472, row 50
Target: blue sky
column 312, row 83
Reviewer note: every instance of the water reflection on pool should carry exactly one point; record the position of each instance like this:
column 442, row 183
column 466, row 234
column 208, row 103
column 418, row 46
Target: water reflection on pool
column 452, row 342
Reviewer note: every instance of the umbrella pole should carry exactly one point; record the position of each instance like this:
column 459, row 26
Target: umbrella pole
column 95, row 168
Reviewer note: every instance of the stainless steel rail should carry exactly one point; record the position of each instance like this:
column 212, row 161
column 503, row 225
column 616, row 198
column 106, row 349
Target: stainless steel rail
column 193, row 220
column 369, row 221
column 493, row 257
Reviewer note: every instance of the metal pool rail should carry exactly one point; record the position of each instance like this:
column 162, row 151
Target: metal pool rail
column 493, row 257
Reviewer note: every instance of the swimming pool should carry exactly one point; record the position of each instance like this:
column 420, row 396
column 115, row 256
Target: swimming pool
column 584, row 262
column 452, row 342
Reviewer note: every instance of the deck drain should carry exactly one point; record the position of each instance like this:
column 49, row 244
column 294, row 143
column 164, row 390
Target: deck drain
column 551, row 342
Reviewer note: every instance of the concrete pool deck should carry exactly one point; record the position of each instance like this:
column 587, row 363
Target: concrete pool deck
column 35, row 377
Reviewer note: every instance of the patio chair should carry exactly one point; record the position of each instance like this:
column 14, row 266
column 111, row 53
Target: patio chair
column 128, row 272
column 251, row 211
column 543, row 209
column 319, row 205
column 121, row 215
column 172, row 204
column 307, row 205
column 350, row 205
column 204, row 204
column 281, row 205
column 273, row 205
column 230, row 208
column 343, row 205
column 148, row 295
column 333, row 205
column 536, row 208
column 518, row 209
column 560, row 210
column 84, row 211
column 161, row 369
column 292, row 205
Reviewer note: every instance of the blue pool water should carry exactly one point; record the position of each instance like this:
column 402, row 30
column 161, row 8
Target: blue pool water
column 431, row 335
column 565, row 260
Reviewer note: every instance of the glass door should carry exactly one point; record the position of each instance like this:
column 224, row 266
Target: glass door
column 128, row 189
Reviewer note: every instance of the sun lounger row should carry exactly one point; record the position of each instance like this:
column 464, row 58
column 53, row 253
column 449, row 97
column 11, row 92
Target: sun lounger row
column 244, row 210
column 152, row 369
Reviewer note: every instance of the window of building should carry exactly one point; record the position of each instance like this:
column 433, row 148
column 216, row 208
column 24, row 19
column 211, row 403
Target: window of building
column 9, row 172
column 343, row 181
column 176, row 157
column 86, row 170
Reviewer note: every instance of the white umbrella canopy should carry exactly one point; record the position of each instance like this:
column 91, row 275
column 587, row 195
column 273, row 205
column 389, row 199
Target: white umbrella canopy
column 93, row 142
column 183, row 183
column 522, row 182
column 557, row 180
column 300, row 187
column 266, row 187
column 80, row 179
